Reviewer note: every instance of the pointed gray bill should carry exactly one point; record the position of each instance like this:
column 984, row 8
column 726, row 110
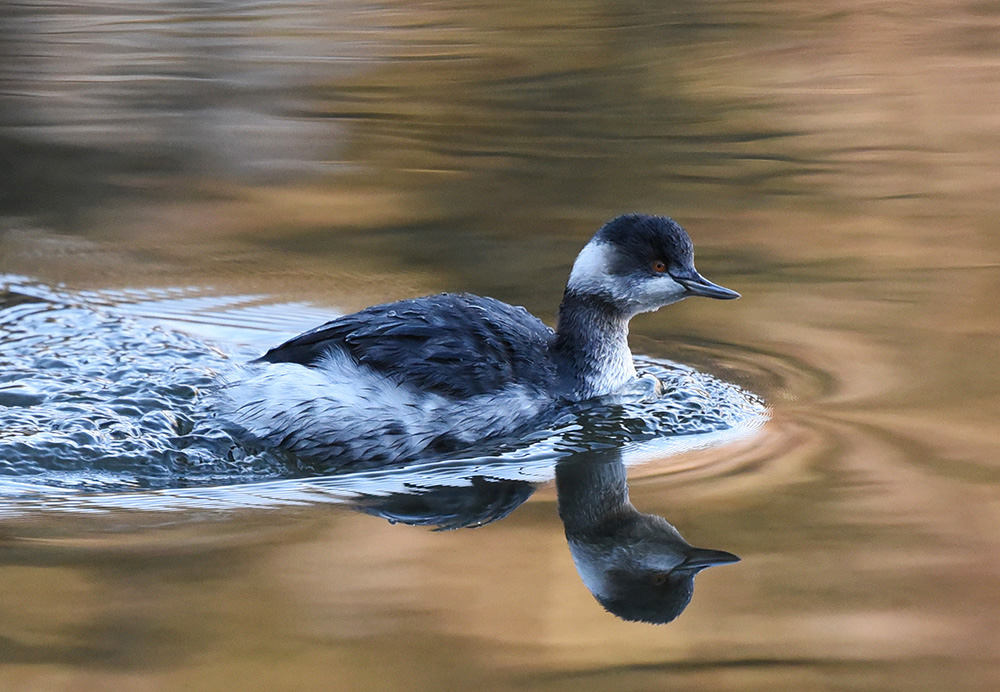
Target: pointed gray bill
column 698, row 285
column 700, row 558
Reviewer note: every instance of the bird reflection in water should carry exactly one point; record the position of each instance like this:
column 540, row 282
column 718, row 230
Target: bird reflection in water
column 636, row 565
column 481, row 501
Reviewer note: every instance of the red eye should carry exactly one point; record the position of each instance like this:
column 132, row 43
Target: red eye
column 659, row 267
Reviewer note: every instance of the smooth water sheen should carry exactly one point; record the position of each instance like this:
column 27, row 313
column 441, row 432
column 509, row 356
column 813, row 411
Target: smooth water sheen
column 185, row 184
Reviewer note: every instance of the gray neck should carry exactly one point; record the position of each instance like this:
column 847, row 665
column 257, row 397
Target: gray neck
column 593, row 495
column 597, row 516
column 592, row 342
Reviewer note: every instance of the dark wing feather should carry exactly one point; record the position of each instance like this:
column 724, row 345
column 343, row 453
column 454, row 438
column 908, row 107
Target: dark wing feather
column 448, row 507
column 457, row 345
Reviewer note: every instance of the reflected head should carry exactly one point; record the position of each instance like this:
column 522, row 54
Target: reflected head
column 653, row 596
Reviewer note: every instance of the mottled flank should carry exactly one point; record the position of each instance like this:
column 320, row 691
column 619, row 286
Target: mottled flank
column 341, row 411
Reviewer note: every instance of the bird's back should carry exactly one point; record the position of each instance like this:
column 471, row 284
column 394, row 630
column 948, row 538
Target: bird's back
column 456, row 345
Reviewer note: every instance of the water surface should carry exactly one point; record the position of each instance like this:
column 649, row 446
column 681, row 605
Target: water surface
column 836, row 165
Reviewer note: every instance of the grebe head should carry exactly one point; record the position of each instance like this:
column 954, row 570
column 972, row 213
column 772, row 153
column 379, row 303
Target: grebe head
column 639, row 263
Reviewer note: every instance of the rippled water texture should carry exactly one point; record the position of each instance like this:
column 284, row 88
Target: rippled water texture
column 108, row 391
column 185, row 184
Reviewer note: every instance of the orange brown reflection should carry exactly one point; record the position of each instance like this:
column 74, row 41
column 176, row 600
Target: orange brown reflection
column 843, row 158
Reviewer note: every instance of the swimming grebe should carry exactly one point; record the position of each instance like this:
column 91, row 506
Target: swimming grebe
column 435, row 374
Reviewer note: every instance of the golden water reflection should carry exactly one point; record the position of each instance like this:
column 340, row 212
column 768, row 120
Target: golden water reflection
column 837, row 165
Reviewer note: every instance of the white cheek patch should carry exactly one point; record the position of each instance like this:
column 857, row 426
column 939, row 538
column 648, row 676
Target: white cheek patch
column 592, row 568
column 640, row 292
column 591, row 269
column 653, row 293
column 663, row 288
